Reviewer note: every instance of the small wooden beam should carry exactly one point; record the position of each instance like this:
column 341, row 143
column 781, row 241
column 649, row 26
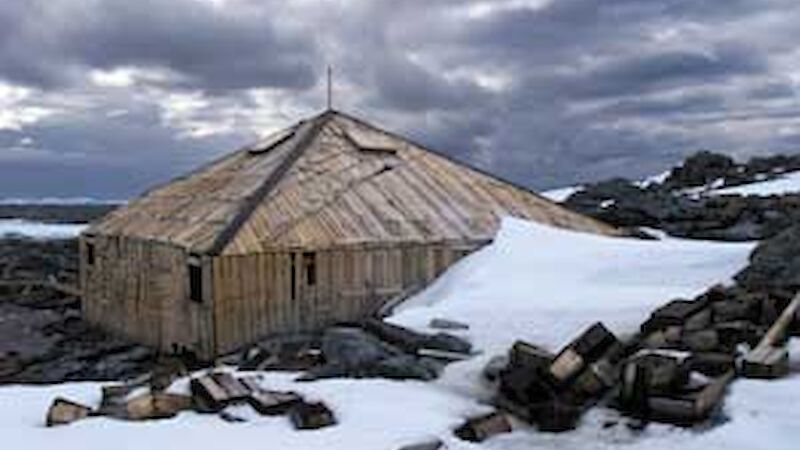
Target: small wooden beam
column 768, row 360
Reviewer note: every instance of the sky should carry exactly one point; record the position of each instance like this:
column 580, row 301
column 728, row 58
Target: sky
column 104, row 98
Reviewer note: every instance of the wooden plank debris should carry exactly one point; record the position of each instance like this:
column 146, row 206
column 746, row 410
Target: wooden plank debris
column 63, row 412
column 766, row 363
column 210, row 395
column 159, row 405
column 767, row 360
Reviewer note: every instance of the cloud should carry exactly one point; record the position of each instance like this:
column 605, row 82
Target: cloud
column 207, row 46
column 547, row 92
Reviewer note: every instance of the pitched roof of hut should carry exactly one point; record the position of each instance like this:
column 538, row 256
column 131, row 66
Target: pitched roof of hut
column 331, row 180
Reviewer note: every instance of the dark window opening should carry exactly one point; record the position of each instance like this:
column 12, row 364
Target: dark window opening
column 90, row 253
column 293, row 279
column 196, row 283
column 310, row 265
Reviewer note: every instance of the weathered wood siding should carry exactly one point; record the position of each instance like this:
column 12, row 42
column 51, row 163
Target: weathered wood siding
column 139, row 289
column 253, row 293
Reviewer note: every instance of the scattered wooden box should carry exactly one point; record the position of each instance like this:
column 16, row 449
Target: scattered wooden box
column 585, row 349
column 689, row 408
column 676, row 312
column 158, row 405
column 272, row 403
column 766, row 362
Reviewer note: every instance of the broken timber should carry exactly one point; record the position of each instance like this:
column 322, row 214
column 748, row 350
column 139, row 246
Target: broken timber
column 767, row 360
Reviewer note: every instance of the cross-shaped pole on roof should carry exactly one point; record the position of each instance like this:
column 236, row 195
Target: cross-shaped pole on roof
column 330, row 88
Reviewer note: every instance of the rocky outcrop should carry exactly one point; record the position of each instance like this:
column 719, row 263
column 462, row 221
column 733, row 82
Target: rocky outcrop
column 774, row 264
column 725, row 217
column 706, row 168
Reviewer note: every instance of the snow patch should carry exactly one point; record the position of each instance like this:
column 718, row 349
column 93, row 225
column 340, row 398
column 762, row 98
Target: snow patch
column 59, row 201
column 785, row 184
column 39, row 230
column 561, row 194
column 546, row 284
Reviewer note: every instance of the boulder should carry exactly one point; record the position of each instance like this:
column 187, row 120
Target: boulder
column 700, row 169
column 311, row 416
column 775, row 263
column 354, row 350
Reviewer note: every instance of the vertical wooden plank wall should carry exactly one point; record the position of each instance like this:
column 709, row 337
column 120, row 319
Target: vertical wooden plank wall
column 253, row 293
column 139, row 289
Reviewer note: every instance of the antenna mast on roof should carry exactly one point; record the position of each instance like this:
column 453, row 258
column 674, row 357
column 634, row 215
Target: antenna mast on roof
column 330, row 88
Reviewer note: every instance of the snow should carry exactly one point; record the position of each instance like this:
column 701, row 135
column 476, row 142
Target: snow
column 534, row 282
column 545, row 284
column 785, row 184
column 654, row 179
column 39, row 230
column 561, row 194
column 363, row 408
column 59, row 201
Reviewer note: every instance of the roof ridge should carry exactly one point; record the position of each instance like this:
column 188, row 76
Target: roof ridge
column 252, row 201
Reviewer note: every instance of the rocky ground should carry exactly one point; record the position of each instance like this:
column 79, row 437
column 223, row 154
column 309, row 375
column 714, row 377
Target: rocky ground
column 78, row 213
column 675, row 206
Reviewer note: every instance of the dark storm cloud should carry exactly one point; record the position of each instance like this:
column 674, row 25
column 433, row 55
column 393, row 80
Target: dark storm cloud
column 645, row 73
column 211, row 48
column 410, row 87
column 546, row 93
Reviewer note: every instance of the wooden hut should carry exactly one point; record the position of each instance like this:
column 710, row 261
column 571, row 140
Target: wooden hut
column 318, row 223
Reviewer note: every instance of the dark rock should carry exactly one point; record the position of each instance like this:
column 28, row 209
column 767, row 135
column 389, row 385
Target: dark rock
column 667, row 207
column 479, row 429
column 353, row 349
column 700, row 169
column 775, row 263
column 404, row 367
column 311, row 416
column 411, row 341
column 351, row 352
